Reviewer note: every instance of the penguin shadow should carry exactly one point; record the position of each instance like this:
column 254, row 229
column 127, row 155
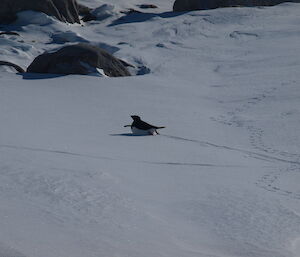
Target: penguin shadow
column 128, row 135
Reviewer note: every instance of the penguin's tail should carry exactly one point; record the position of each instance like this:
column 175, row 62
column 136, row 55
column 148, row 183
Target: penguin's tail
column 127, row 126
column 157, row 129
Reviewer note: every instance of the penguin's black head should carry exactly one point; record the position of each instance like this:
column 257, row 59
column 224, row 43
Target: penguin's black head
column 135, row 117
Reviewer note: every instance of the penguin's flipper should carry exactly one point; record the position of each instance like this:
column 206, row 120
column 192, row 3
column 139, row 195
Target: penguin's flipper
column 160, row 127
column 127, row 126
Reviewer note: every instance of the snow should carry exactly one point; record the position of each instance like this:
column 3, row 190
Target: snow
column 221, row 180
column 68, row 36
column 104, row 11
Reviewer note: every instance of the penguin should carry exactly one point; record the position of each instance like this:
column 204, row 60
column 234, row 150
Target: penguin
column 139, row 127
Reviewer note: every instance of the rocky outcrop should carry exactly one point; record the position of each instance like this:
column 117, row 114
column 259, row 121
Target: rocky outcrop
column 63, row 10
column 15, row 66
column 83, row 10
column 147, row 6
column 190, row 5
column 101, row 13
column 79, row 59
column 9, row 33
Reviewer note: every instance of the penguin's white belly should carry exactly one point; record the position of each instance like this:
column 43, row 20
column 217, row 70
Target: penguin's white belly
column 142, row 132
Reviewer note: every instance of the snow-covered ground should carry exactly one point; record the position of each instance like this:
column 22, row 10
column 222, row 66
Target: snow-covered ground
column 222, row 179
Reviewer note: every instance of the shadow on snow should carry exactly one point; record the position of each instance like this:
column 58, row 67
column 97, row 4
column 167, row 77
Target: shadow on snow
column 129, row 135
column 142, row 17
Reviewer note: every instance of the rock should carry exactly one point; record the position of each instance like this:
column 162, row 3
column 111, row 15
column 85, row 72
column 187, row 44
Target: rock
column 63, row 10
column 89, row 17
column 10, row 33
column 147, row 6
column 81, row 59
column 130, row 11
column 83, row 10
column 15, row 66
column 101, row 13
column 190, row 5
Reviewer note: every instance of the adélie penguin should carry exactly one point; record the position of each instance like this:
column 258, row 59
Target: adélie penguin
column 139, row 127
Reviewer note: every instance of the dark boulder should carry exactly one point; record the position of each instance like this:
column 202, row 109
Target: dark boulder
column 83, row 10
column 130, row 11
column 9, row 33
column 15, row 66
column 147, row 6
column 101, row 13
column 190, row 5
column 78, row 59
column 63, row 10
column 89, row 17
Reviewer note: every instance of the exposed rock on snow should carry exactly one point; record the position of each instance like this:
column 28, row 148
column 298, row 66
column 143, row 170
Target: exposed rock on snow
column 130, row 11
column 78, row 59
column 147, row 6
column 88, row 17
column 15, row 66
column 83, row 10
column 189, row 5
column 101, row 13
column 9, row 33
column 63, row 10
